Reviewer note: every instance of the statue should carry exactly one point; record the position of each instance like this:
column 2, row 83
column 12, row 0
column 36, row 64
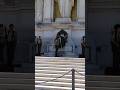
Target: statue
column 60, row 41
column 65, row 7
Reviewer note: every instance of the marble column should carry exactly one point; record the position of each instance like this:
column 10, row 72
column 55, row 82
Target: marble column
column 81, row 10
column 48, row 11
column 38, row 11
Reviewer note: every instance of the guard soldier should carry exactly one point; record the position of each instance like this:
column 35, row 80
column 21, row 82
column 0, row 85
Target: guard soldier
column 11, row 44
column 83, row 45
column 39, row 43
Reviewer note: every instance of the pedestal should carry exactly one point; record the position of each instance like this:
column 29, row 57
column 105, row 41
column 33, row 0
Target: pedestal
column 81, row 10
column 47, row 21
column 63, row 20
column 82, row 20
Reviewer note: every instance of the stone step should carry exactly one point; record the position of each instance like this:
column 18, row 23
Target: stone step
column 41, row 87
column 54, row 72
column 102, row 78
column 68, row 76
column 101, row 88
column 17, row 75
column 16, row 81
column 61, row 66
column 103, row 84
column 16, row 87
column 60, row 62
column 62, row 84
column 57, row 68
column 57, row 64
column 57, row 71
column 59, row 58
column 66, row 80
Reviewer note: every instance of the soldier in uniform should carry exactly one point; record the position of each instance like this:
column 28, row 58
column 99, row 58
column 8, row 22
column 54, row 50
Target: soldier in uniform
column 116, row 46
column 39, row 43
column 36, row 45
column 83, row 45
column 11, row 44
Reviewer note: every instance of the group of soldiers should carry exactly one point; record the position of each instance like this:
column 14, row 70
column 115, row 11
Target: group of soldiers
column 8, row 39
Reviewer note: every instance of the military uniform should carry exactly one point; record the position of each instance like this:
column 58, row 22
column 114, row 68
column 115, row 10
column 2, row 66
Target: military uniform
column 39, row 45
column 11, row 45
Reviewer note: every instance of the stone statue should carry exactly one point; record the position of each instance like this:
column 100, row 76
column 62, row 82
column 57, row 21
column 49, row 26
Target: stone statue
column 60, row 40
column 65, row 7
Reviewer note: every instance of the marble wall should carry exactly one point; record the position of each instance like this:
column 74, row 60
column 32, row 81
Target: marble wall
column 48, row 34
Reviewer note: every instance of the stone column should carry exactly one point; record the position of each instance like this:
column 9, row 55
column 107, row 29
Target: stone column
column 81, row 10
column 38, row 11
column 48, row 11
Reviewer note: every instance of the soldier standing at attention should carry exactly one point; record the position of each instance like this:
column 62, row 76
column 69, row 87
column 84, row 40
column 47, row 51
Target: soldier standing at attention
column 11, row 44
column 83, row 45
column 39, row 45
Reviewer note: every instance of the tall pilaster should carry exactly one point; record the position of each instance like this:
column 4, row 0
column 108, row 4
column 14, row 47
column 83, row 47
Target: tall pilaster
column 81, row 10
column 38, row 11
column 48, row 11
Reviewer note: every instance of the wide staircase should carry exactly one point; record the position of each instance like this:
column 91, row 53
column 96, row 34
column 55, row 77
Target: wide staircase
column 55, row 73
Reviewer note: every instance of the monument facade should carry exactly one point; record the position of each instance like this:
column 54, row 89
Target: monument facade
column 53, row 15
